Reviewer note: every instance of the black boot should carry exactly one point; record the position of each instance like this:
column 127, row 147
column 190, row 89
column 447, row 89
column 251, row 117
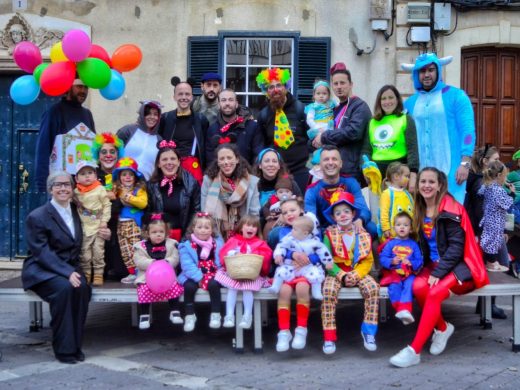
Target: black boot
column 497, row 312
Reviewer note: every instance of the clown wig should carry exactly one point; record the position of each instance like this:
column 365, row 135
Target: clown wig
column 107, row 138
column 267, row 76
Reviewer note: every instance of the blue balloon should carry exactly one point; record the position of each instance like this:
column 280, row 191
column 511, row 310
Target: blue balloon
column 24, row 90
column 115, row 88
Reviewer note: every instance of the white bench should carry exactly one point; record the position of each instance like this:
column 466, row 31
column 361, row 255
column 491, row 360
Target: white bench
column 114, row 292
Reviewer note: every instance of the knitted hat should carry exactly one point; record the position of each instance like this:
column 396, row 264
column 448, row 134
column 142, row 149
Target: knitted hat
column 210, row 77
column 284, row 182
column 126, row 163
column 336, row 199
column 83, row 164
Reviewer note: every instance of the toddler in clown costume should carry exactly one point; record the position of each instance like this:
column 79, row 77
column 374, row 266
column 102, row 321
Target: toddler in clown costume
column 300, row 239
column 130, row 190
column 401, row 259
column 353, row 259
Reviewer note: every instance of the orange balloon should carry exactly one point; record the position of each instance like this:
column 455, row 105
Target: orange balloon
column 126, row 58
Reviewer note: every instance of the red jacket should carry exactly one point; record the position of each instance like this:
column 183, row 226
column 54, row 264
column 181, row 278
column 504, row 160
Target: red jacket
column 256, row 245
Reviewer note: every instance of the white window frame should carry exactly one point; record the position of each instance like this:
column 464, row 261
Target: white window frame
column 257, row 68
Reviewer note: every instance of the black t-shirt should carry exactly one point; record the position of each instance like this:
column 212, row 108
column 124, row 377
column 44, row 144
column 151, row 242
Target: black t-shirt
column 172, row 205
column 184, row 135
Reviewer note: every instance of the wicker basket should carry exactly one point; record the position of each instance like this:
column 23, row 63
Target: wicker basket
column 244, row 266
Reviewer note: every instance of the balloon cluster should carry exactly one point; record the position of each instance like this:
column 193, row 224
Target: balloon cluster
column 74, row 54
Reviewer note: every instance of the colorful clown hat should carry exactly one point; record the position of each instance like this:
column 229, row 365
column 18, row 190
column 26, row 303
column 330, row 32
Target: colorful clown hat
column 126, row 163
column 337, row 198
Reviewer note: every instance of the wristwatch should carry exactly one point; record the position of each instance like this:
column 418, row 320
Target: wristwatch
column 465, row 164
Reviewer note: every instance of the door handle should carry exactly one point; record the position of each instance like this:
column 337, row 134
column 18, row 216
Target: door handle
column 24, row 177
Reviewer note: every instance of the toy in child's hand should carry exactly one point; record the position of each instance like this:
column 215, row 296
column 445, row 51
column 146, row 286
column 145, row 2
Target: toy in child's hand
column 373, row 175
column 160, row 276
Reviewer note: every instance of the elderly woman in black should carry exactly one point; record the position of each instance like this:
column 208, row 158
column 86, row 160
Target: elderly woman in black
column 172, row 190
column 52, row 270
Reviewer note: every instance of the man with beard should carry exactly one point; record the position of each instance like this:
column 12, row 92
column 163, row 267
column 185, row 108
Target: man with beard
column 283, row 123
column 445, row 122
column 66, row 116
column 317, row 197
column 207, row 103
column 234, row 124
column 351, row 118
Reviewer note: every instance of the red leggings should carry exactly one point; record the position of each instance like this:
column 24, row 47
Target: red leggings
column 430, row 300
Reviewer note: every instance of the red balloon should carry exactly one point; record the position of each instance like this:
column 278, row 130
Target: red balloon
column 57, row 78
column 97, row 51
column 126, row 58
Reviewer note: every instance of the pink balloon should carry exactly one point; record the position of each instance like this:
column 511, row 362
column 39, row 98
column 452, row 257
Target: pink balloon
column 76, row 45
column 160, row 276
column 27, row 56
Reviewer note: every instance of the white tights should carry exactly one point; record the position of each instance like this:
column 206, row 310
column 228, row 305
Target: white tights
column 231, row 301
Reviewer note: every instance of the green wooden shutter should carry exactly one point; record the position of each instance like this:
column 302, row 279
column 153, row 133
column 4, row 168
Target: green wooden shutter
column 203, row 57
column 313, row 62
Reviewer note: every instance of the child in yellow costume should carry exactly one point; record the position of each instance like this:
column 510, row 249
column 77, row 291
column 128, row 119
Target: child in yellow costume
column 395, row 199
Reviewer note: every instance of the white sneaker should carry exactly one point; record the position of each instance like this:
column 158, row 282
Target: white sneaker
column 214, row 320
column 440, row 339
column 405, row 358
column 130, row 279
column 405, row 316
column 144, row 321
column 329, row 347
column 284, row 337
column 229, row 322
column 369, row 341
column 189, row 322
column 175, row 318
column 300, row 338
column 246, row 322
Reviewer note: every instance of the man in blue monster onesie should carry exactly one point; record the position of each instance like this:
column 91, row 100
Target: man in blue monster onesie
column 445, row 122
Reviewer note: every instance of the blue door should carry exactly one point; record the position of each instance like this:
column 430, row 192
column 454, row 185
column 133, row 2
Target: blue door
column 19, row 127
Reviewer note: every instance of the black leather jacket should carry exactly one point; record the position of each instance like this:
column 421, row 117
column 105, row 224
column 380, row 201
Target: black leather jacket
column 190, row 198
column 450, row 238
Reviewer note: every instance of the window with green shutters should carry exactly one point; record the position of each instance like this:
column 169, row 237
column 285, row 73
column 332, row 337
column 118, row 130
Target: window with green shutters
column 239, row 56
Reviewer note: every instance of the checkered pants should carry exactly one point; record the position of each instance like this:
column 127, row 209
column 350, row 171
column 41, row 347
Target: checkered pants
column 92, row 255
column 369, row 290
column 128, row 234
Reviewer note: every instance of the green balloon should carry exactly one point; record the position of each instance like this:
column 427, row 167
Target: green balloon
column 95, row 73
column 38, row 71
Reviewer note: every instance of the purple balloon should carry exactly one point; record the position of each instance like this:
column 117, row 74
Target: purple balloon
column 27, row 56
column 160, row 276
column 76, row 45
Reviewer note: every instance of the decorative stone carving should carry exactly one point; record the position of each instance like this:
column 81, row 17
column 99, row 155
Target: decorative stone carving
column 19, row 29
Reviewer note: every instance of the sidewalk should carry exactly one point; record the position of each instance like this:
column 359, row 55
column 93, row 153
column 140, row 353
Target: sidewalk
column 121, row 356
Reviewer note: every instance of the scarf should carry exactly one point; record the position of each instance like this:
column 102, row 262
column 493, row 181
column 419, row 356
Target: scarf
column 156, row 252
column 168, row 181
column 227, row 126
column 283, row 135
column 223, row 202
column 81, row 188
column 206, row 246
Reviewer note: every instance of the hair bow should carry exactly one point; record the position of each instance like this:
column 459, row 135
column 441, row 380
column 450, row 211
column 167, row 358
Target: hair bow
column 167, row 144
column 156, row 217
column 224, row 140
column 202, row 214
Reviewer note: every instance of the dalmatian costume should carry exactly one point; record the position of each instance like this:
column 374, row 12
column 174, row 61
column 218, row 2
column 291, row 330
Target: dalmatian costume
column 312, row 272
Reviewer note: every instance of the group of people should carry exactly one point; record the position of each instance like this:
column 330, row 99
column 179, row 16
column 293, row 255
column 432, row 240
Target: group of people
column 207, row 181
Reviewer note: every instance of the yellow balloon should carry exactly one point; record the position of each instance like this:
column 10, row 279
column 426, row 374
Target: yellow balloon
column 57, row 54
